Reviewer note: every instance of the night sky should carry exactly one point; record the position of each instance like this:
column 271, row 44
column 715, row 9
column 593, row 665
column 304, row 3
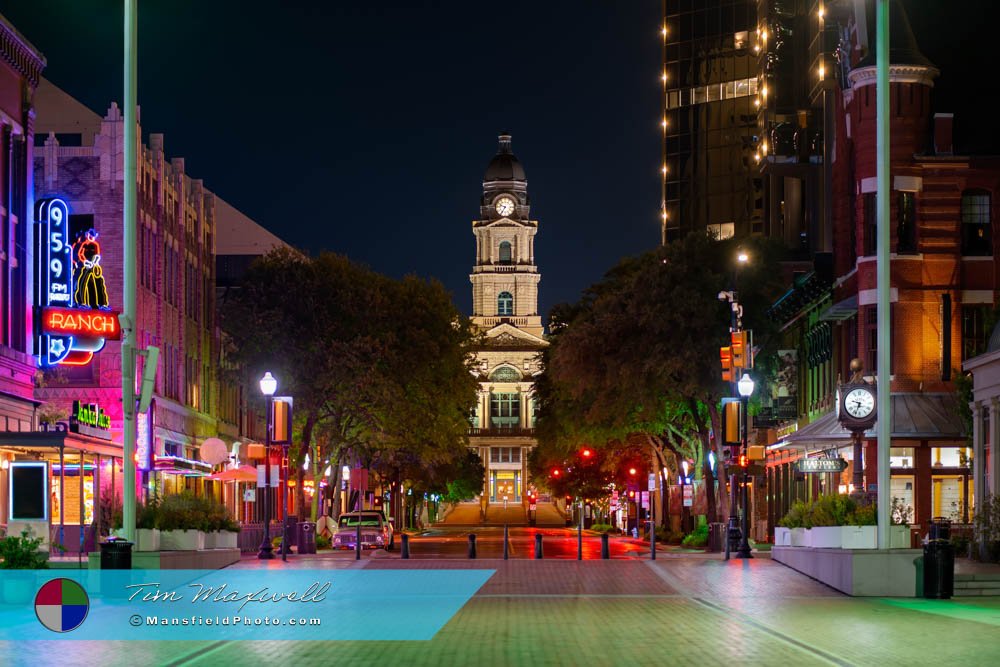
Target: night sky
column 364, row 127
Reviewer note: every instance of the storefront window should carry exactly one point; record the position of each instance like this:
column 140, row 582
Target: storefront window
column 901, row 457
column 902, row 499
column 951, row 457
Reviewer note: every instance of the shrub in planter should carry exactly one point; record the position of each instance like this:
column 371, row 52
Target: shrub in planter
column 22, row 553
column 322, row 542
column 796, row 516
column 697, row 538
column 986, row 530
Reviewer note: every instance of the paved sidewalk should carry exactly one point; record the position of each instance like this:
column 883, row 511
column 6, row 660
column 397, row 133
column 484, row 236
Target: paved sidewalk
column 674, row 611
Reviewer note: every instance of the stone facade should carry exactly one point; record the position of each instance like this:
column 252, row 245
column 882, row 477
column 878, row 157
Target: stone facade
column 505, row 310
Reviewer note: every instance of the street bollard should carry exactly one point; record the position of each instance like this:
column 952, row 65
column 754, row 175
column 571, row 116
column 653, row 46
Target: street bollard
column 605, row 550
column 579, row 540
column 357, row 540
column 538, row 546
column 472, row 545
column 652, row 540
column 506, row 537
column 406, row 546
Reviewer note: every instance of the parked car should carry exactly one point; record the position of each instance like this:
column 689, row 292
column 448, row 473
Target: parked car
column 376, row 531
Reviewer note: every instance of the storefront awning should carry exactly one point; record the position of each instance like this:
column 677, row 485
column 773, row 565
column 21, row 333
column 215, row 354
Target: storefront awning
column 38, row 441
column 915, row 416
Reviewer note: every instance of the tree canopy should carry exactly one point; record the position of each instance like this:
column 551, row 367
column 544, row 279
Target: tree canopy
column 636, row 361
column 378, row 367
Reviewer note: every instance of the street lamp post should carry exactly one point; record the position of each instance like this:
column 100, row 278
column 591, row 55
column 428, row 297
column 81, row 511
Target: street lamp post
column 268, row 385
column 745, row 386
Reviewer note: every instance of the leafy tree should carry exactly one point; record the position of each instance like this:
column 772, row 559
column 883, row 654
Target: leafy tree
column 636, row 361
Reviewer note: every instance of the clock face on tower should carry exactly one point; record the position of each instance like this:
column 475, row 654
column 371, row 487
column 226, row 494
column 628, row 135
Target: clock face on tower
column 505, row 206
column 859, row 403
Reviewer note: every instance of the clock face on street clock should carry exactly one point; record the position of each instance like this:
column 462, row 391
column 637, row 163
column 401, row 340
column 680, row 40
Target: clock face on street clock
column 505, row 206
column 859, row 403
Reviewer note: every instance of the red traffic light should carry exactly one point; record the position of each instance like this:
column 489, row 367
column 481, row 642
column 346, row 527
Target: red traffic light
column 744, row 461
column 556, row 472
column 631, row 494
column 586, row 453
column 632, row 471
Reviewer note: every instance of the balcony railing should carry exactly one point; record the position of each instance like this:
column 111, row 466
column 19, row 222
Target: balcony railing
column 501, row 432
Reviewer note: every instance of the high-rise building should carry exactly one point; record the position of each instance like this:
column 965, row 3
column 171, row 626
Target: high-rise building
column 709, row 120
column 505, row 310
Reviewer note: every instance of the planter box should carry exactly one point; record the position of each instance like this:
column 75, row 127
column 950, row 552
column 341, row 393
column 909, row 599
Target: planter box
column 148, row 539
column 782, row 537
column 182, row 540
column 798, row 537
column 899, row 537
column 859, row 537
column 824, row 537
column 220, row 539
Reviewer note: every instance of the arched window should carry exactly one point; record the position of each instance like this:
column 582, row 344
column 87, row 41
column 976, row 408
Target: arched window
column 505, row 303
column 977, row 231
column 505, row 374
column 505, row 252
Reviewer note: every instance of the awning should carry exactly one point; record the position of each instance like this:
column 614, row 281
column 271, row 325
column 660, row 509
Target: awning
column 842, row 310
column 915, row 416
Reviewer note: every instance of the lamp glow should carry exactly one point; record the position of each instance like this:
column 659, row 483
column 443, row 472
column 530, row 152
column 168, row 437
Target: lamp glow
column 745, row 385
column 268, row 384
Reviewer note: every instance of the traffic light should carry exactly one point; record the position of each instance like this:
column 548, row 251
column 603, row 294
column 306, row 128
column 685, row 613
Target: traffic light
column 378, row 502
column 631, row 494
column 744, row 461
column 586, row 453
column 726, row 358
column 556, row 472
column 740, row 350
column 731, row 422
column 632, row 471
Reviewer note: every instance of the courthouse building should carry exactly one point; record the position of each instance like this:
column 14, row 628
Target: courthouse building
column 505, row 310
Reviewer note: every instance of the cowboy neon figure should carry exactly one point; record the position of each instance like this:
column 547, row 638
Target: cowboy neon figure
column 90, row 289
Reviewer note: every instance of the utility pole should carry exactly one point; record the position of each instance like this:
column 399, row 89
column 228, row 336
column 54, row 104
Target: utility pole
column 128, row 316
column 884, row 428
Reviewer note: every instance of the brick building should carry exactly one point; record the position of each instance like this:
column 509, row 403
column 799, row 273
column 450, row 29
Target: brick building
column 943, row 290
column 79, row 158
column 20, row 68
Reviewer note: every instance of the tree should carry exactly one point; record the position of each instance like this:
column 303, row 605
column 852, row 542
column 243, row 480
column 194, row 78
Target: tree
column 636, row 361
column 377, row 367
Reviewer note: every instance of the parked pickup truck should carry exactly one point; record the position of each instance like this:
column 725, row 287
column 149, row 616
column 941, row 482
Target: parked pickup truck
column 376, row 531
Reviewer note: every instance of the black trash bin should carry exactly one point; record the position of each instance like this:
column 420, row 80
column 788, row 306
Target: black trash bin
column 716, row 537
column 116, row 554
column 306, row 538
column 939, row 561
column 291, row 533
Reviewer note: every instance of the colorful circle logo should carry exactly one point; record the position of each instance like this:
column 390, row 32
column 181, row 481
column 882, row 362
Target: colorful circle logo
column 61, row 605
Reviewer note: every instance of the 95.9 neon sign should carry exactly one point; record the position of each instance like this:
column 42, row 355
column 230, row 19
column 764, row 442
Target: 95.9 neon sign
column 73, row 318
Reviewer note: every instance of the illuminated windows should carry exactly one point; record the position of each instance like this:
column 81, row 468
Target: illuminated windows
column 505, row 303
column 505, row 254
column 977, row 237
column 505, row 410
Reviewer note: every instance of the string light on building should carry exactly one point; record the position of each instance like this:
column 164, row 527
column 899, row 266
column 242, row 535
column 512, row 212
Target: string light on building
column 664, row 170
column 822, row 71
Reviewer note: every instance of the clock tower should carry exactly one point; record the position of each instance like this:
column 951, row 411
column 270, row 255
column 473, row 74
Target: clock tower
column 508, row 356
column 505, row 278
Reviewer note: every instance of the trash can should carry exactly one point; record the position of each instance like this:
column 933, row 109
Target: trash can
column 939, row 561
column 306, row 537
column 116, row 554
column 716, row 537
column 735, row 534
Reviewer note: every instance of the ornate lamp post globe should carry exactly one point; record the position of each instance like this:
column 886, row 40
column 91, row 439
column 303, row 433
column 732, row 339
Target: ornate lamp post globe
column 745, row 385
column 268, row 385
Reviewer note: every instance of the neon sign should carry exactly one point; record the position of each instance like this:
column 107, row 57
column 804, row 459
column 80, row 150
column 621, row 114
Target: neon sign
column 69, row 287
column 80, row 322
column 90, row 419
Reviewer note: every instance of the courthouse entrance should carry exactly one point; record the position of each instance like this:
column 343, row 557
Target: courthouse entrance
column 505, row 485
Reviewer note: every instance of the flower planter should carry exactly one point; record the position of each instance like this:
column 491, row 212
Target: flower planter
column 899, row 537
column 782, row 537
column 798, row 537
column 220, row 539
column 148, row 539
column 182, row 540
column 824, row 537
column 859, row 537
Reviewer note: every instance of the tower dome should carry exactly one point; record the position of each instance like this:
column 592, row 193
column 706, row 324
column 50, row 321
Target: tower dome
column 504, row 166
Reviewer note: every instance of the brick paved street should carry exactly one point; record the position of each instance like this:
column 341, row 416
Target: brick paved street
column 678, row 610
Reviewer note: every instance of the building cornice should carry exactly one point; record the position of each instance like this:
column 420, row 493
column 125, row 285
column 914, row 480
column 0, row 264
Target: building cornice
column 866, row 76
column 19, row 53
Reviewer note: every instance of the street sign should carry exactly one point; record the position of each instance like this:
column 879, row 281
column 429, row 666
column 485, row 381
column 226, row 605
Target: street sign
column 688, row 495
column 652, row 481
column 820, row 465
column 532, row 507
column 249, row 496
